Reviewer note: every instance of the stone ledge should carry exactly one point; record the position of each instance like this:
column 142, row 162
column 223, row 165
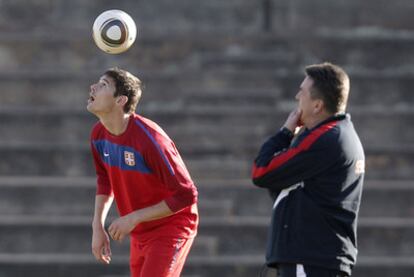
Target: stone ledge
column 17, row 181
column 81, row 258
column 231, row 221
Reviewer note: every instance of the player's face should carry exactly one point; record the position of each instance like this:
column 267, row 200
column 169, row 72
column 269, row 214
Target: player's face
column 101, row 96
column 306, row 103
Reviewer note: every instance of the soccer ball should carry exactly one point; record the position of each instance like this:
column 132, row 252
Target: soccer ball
column 114, row 31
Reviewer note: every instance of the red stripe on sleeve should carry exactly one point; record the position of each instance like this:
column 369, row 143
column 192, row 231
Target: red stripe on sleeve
column 281, row 159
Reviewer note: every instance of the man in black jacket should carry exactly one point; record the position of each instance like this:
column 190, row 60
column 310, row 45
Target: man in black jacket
column 316, row 176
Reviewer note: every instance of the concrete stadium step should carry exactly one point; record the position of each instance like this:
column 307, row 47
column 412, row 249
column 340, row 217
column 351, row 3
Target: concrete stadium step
column 226, row 126
column 59, row 88
column 70, row 89
column 74, row 126
column 65, row 265
column 378, row 193
column 375, row 194
column 60, row 265
column 69, row 234
column 214, row 16
column 213, row 207
column 368, row 87
column 371, row 231
column 161, row 90
column 165, row 53
column 247, row 266
column 212, row 51
column 46, row 196
column 395, row 233
column 70, row 160
column 59, row 196
column 279, row 58
column 360, row 51
column 56, row 196
column 303, row 17
column 357, row 52
column 387, row 162
column 77, row 16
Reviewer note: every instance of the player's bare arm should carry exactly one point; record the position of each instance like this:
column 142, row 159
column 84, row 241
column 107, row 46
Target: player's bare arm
column 100, row 240
column 122, row 226
column 100, row 245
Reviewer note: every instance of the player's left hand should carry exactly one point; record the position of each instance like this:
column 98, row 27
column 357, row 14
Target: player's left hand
column 121, row 227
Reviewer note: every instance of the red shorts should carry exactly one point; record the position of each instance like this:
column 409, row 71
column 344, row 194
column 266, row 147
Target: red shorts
column 162, row 257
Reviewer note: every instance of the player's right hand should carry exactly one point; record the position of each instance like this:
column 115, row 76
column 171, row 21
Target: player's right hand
column 101, row 246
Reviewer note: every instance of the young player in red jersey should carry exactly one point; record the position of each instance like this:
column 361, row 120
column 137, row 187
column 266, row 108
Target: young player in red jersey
column 139, row 165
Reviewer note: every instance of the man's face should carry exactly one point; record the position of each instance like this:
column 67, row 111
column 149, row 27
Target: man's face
column 101, row 96
column 306, row 103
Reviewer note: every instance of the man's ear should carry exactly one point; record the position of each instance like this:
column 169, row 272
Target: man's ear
column 318, row 106
column 122, row 100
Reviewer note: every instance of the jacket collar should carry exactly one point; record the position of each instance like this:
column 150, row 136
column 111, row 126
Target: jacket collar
column 337, row 117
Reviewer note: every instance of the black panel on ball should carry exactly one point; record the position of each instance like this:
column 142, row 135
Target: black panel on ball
column 107, row 25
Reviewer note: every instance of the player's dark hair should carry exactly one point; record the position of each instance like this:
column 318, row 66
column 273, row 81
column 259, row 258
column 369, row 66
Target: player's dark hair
column 330, row 84
column 128, row 85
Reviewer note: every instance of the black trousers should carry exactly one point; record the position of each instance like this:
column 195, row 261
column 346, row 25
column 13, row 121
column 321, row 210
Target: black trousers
column 294, row 270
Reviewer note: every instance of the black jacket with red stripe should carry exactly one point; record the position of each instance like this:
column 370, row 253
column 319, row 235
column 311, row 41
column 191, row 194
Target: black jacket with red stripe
column 317, row 179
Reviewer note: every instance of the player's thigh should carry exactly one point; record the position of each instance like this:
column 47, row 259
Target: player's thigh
column 136, row 258
column 136, row 266
column 165, row 257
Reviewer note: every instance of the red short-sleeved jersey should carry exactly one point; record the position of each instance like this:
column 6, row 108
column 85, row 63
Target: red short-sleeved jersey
column 141, row 168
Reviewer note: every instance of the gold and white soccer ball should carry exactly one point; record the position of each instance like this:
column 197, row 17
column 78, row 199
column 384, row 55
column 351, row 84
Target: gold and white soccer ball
column 114, row 31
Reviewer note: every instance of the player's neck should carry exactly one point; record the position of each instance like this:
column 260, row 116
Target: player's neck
column 115, row 124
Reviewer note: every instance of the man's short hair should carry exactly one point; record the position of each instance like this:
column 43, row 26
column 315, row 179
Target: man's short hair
column 330, row 84
column 128, row 85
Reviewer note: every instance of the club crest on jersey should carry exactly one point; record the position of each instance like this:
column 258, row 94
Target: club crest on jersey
column 129, row 158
